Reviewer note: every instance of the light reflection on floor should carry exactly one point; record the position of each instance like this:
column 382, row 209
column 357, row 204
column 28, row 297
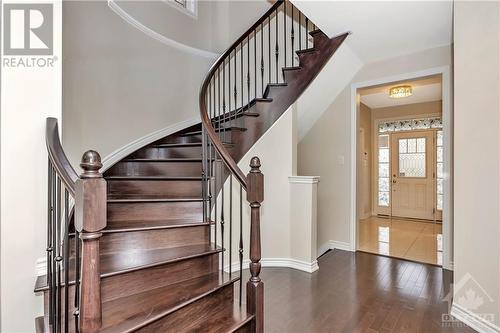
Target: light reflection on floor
column 413, row 240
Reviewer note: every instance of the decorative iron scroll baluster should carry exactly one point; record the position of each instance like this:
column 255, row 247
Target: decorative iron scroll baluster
column 222, row 222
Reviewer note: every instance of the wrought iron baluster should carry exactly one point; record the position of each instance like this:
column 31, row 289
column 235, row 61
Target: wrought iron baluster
column 241, row 77
column 269, row 47
column 222, row 221
column 230, row 223
column 262, row 57
column 284, row 32
column 230, row 120
column 66, row 261
column 307, row 32
column 58, row 259
column 240, row 250
column 235, row 87
column 276, row 48
column 255, row 62
column 248, row 71
column 300, row 31
column 49, row 248
column 292, row 37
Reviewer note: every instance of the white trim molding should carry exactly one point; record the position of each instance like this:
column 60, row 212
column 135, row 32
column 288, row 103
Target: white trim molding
column 332, row 245
column 157, row 36
column 129, row 148
column 473, row 320
column 278, row 262
column 303, row 179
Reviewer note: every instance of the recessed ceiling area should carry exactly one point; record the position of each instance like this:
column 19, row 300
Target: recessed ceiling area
column 426, row 89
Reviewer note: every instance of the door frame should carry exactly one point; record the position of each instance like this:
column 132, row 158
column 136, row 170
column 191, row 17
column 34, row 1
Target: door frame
column 447, row 116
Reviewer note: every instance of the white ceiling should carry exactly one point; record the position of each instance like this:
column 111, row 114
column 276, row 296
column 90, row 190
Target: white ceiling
column 384, row 29
column 421, row 93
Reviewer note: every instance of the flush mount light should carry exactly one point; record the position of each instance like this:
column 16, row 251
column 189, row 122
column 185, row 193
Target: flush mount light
column 400, row 92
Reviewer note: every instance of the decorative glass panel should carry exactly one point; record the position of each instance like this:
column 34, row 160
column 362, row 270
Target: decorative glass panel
column 383, row 141
column 439, row 140
column 439, row 153
column 421, row 145
column 412, row 163
column 383, row 184
column 383, row 199
column 412, row 146
column 403, row 145
column 383, row 170
column 439, row 188
column 439, row 204
column 440, row 170
column 383, row 155
column 410, row 124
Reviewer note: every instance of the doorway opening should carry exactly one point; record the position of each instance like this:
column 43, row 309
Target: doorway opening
column 400, row 169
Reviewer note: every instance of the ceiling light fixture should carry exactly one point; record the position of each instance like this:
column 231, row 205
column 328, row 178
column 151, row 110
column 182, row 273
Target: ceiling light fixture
column 400, row 91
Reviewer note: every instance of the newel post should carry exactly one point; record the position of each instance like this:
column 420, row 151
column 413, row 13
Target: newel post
column 255, row 286
column 90, row 219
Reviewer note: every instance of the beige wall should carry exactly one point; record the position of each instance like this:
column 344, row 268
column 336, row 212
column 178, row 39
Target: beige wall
column 120, row 85
column 477, row 151
column 325, row 151
column 364, row 161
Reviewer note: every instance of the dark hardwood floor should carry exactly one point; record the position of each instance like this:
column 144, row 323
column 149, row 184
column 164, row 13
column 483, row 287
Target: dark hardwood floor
column 358, row 292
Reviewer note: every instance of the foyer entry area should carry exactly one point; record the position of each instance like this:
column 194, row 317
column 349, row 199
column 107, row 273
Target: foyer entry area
column 400, row 169
column 400, row 238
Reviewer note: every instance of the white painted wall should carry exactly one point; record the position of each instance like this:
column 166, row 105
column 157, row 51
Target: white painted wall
column 477, row 159
column 29, row 95
column 325, row 150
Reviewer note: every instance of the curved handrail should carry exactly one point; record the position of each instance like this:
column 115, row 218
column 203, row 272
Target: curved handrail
column 205, row 120
column 57, row 156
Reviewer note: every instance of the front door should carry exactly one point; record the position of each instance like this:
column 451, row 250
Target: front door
column 413, row 174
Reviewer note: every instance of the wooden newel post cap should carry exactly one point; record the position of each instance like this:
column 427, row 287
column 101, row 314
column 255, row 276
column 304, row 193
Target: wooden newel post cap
column 255, row 189
column 91, row 164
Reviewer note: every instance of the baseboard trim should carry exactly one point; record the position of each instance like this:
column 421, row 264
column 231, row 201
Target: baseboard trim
column 278, row 262
column 473, row 320
column 120, row 153
column 332, row 245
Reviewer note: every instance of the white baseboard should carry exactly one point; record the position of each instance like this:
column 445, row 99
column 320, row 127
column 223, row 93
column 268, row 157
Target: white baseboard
column 41, row 266
column 278, row 262
column 473, row 320
column 332, row 244
column 129, row 148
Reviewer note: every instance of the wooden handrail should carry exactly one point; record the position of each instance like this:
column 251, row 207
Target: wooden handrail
column 206, row 122
column 57, row 156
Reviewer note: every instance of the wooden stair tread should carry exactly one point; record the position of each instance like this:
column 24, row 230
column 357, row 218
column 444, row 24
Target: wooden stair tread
column 130, row 313
column 152, row 178
column 219, row 129
column 124, row 226
column 309, row 50
column 122, row 262
column 170, row 159
column 228, row 318
column 148, row 198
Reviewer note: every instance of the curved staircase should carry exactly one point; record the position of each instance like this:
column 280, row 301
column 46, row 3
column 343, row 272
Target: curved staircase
column 155, row 261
